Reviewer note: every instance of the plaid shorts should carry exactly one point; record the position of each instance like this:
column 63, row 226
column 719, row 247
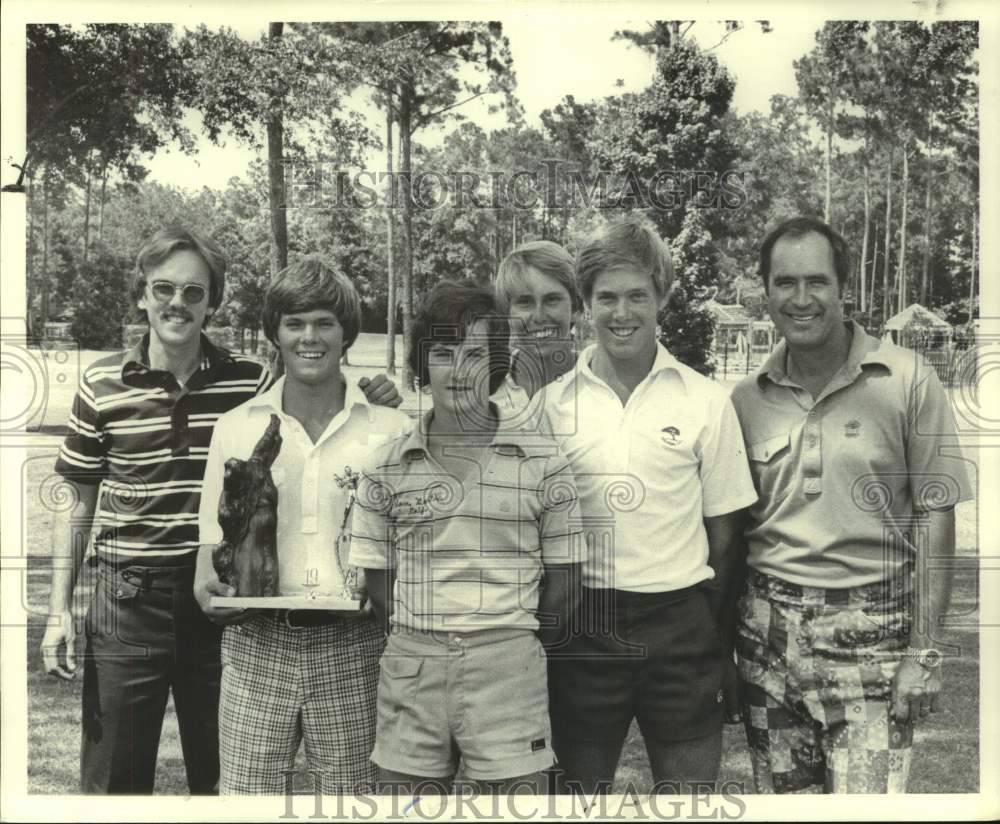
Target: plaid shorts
column 281, row 685
column 816, row 667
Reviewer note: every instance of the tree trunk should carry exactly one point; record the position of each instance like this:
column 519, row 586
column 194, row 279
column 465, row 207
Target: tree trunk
column 405, row 133
column 872, row 278
column 86, row 213
column 276, row 174
column 104, row 189
column 928, row 218
column 864, row 240
column 888, row 241
column 829, row 159
column 390, row 243
column 45, row 252
column 29, row 257
column 901, row 277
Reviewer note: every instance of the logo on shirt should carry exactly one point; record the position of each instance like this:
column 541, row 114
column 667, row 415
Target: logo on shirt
column 852, row 428
column 413, row 505
column 670, row 435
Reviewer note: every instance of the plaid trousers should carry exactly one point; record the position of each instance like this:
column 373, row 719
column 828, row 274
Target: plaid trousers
column 816, row 669
column 282, row 686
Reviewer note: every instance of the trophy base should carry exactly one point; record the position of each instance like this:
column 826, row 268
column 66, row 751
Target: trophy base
column 328, row 602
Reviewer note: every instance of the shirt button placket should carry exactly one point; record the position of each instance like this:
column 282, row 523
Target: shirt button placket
column 812, row 464
column 310, row 493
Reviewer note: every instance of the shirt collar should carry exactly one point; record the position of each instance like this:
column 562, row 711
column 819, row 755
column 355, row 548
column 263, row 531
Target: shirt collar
column 136, row 359
column 507, row 434
column 582, row 371
column 865, row 350
column 271, row 400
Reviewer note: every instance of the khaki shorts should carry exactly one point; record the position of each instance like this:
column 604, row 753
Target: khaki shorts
column 481, row 696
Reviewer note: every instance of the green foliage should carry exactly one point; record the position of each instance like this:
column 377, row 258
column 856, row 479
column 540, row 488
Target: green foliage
column 676, row 124
column 101, row 301
column 103, row 95
column 687, row 327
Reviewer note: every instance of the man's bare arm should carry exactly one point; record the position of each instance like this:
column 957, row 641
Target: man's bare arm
column 558, row 603
column 380, row 583
column 72, row 533
column 727, row 557
column 915, row 689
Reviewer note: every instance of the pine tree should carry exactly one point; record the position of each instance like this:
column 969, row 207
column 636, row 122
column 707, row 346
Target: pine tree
column 687, row 327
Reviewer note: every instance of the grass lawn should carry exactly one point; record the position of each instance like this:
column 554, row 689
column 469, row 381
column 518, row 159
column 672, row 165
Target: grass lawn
column 946, row 758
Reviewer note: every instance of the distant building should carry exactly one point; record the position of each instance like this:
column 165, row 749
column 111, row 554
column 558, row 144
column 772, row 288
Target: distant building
column 59, row 328
column 920, row 329
column 736, row 332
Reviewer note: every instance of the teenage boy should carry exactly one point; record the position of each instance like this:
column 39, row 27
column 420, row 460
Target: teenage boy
column 134, row 457
column 845, row 435
column 294, row 675
column 537, row 284
column 468, row 533
column 659, row 462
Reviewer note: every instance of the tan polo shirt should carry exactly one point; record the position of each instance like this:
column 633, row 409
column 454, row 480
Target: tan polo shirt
column 841, row 479
column 470, row 556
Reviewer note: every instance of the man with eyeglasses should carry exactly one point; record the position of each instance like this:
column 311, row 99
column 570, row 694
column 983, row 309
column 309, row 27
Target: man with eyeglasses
column 134, row 458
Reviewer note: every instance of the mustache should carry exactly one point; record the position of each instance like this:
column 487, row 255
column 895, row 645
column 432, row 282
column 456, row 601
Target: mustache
column 178, row 313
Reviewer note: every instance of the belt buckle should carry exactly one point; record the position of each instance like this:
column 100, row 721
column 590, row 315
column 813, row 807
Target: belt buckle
column 286, row 615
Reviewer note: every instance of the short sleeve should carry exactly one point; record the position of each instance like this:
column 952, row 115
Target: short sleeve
column 209, row 531
column 83, row 454
column 371, row 544
column 560, row 525
column 939, row 477
column 726, row 483
column 264, row 381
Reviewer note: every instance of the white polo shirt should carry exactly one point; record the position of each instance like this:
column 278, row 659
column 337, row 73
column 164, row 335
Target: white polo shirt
column 648, row 472
column 311, row 502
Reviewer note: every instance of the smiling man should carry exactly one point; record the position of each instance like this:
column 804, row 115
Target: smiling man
column 537, row 283
column 307, row 675
column 845, row 437
column 659, row 462
column 139, row 431
column 468, row 531
column 135, row 456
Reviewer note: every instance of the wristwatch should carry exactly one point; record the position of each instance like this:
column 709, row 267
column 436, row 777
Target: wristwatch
column 929, row 658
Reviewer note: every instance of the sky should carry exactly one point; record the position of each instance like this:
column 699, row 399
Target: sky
column 554, row 55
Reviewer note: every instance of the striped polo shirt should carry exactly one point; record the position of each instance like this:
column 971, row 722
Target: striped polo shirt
column 468, row 556
column 145, row 439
